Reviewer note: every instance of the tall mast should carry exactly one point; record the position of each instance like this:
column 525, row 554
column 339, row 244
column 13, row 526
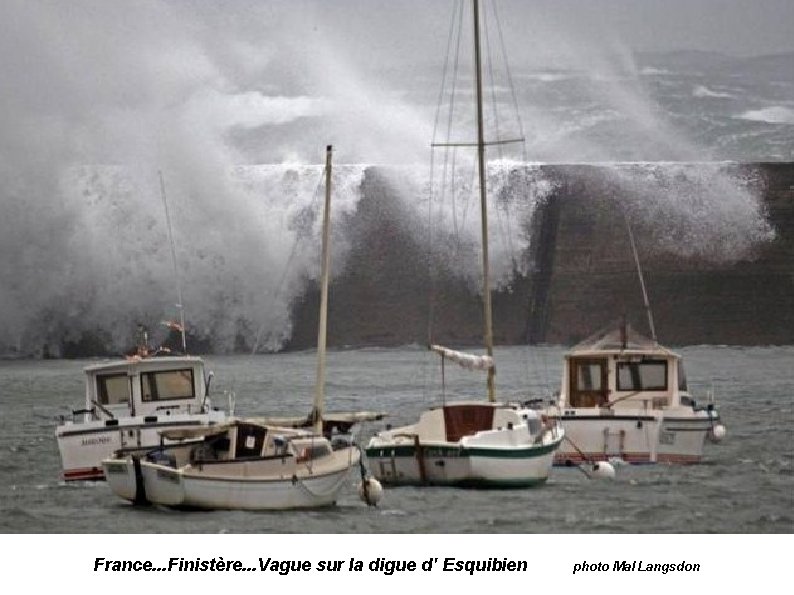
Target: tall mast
column 176, row 269
column 319, row 389
column 486, row 287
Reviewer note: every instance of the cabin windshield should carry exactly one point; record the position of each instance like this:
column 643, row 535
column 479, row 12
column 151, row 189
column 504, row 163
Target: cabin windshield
column 167, row 385
column 113, row 389
column 642, row 375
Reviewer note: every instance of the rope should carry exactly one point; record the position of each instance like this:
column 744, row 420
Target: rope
column 301, row 483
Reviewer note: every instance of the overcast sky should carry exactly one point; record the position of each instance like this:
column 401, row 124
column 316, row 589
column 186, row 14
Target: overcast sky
column 95, row 79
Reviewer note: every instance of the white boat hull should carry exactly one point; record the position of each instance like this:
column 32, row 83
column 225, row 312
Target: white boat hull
column 633, row 437
column 83, row 446
column 191, row 488
column 447, row 464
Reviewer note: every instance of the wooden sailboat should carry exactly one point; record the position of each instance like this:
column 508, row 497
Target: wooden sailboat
column 472, row 443
column 244, row 463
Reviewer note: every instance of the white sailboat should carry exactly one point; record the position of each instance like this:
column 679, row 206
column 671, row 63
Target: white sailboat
column 472, row 443
column 245, row 464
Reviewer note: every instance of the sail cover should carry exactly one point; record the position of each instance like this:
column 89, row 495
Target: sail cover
column 464, row 360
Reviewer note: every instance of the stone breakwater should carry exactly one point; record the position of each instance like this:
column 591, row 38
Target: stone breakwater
column 709, row 281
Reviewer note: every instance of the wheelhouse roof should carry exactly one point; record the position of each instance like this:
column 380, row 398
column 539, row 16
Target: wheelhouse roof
column 148, row 363
column 623, row 340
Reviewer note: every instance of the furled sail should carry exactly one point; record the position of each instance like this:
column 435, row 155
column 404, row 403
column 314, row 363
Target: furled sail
column 465, row 360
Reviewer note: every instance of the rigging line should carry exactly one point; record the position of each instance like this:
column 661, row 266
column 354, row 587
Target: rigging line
column 443, row 77
column 429, row 251
column 287, row 265
column 641, row 277
column 546, row 380
column 450, row 115
column 504, row 227
column 510, row 80
column 468, row 196
column 506, row 203
column 173, row 259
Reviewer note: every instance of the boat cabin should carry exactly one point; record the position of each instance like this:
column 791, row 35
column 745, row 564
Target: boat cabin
column 621, row 369
column 455, row 421
column 144, row 387
column 238, row 440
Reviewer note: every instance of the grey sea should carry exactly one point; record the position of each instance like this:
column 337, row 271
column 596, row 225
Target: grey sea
column 745, row 485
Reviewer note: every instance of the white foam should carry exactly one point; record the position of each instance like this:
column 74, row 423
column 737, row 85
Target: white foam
column 776, row 114
column 703, row 91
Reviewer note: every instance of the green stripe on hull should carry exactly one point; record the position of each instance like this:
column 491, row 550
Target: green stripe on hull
column 473, row 483
column 431, row 451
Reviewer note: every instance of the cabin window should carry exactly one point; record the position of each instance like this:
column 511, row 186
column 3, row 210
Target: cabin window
column 113, row 389
column 588, row 381
column 681, row 377
column 250, row 439
column 167, row 386
column 642, row 375
column 589, row 376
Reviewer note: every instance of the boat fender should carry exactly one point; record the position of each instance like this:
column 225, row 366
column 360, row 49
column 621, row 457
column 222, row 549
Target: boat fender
column 717, row 433
column 599, row 470
column 370, row 491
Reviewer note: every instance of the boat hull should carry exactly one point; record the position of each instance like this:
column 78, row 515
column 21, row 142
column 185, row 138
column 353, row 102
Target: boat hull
column 193, row 488
column 634, row 438
column 445, row 464
column 83, row 446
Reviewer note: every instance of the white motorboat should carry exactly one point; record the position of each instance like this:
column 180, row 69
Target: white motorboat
column 240, row 465
column 625, row 397
column 470, row 444
column 128, row 402
column 249, row 465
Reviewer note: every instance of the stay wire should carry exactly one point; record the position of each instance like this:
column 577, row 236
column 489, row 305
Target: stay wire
column 290, row 258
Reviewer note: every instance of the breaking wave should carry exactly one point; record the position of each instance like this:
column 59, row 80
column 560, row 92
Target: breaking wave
column 247, row 248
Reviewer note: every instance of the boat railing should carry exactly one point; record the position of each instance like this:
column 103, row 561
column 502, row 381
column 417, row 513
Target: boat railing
column 77, row 413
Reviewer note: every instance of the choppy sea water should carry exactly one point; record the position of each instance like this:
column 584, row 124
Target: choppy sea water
column 745, row 485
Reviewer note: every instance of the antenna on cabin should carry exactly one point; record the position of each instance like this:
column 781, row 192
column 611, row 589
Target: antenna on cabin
column 181, row 326
column 642, row 279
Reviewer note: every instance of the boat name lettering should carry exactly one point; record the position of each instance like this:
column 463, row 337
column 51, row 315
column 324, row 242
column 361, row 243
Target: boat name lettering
column 95, row 440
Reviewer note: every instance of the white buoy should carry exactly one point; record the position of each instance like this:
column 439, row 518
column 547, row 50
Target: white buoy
column 370, row 491
column 717, row 433
column 599, row 470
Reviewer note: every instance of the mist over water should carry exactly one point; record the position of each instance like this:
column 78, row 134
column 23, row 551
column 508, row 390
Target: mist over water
column 235, row 108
